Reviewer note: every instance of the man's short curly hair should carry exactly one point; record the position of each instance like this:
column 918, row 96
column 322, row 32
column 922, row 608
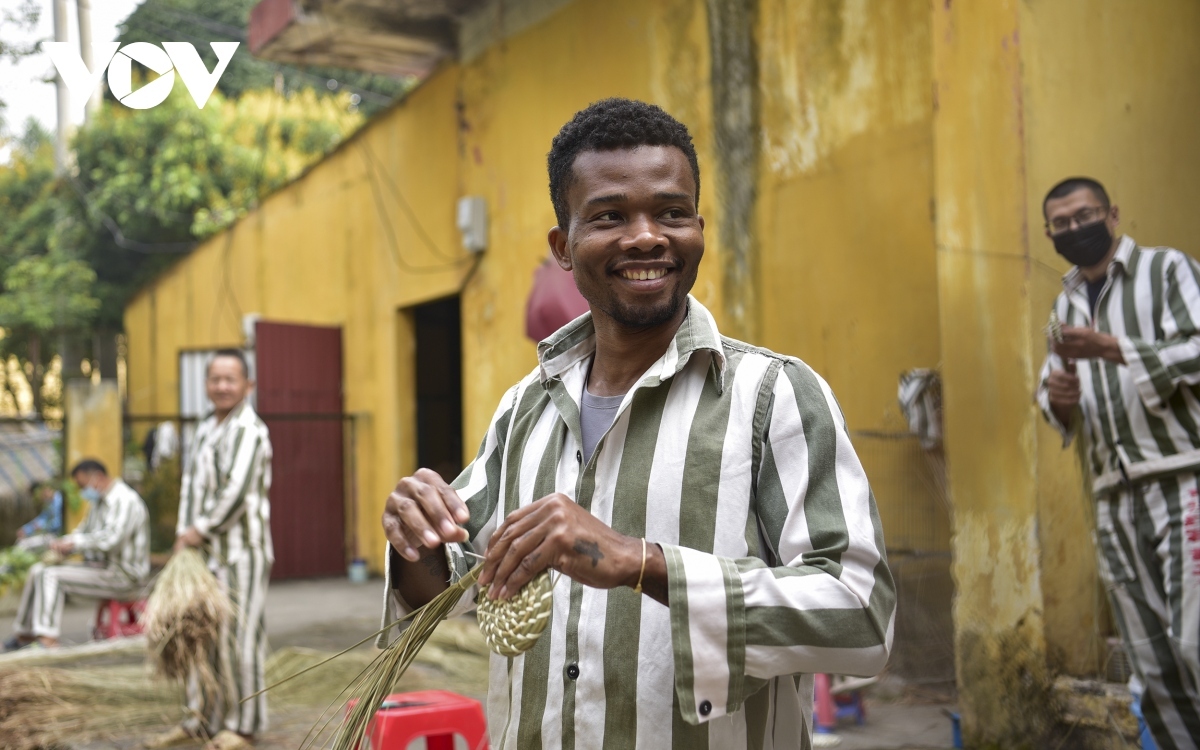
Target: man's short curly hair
column 608, row 125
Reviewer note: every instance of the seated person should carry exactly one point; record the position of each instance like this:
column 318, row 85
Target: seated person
column 37, row 534
column 115, row 542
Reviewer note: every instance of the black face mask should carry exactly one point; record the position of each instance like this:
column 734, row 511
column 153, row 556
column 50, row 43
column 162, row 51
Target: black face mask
column 1084, row 246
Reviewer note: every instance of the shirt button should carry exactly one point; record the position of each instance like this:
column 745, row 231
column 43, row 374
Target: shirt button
column 705, row 708
column 573, row 671
column 579, row 457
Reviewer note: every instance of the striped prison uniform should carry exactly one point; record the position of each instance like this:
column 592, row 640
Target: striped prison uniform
column 738, row 463
column 224, row 496
column 1139, row 421
column 115, row 541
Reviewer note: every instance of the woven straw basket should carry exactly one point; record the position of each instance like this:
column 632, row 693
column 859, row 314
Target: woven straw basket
column 511, row 627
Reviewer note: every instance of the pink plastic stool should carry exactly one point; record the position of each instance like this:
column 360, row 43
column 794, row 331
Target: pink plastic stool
column 436, row 715
column 117, row 619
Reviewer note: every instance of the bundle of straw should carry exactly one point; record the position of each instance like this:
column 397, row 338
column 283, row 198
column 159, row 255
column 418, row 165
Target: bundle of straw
column 515, row 625
column 183, row 620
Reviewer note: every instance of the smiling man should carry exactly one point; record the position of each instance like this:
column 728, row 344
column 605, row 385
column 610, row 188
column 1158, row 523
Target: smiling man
column 1126, row 370
column 719, row 539
column 225, row 512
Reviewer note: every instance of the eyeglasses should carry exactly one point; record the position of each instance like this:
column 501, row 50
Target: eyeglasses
column 1081, row 217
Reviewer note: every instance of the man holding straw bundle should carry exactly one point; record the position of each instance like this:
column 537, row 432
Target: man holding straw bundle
column 225, row 513
column 700, row 494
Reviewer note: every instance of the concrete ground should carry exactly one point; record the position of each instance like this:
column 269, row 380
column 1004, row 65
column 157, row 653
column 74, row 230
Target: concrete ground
column 332, row 614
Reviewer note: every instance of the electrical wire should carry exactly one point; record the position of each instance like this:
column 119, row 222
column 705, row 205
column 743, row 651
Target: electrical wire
column 404, row 205
column 390, row 231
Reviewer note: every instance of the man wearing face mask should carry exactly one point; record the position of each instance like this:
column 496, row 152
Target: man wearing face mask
column 114, row 539
column 1125, row 368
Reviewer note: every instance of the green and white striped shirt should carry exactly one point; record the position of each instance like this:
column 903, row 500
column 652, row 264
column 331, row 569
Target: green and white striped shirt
column 116, row 533
column 1139, row 418
column 737, row 461
column 226, row 483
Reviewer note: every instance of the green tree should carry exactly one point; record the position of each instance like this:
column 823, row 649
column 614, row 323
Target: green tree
column 151, row 183
column 147, row 186
column 45, row 295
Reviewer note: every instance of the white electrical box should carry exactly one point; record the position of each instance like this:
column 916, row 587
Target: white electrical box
column 472, row 222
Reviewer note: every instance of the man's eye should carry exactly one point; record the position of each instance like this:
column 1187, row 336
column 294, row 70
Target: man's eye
column 609, row 216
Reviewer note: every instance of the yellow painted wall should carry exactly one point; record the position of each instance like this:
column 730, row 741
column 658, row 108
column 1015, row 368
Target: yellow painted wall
column 1126, row 117
column 93, row 412
column 848, row 278
column 1027, row 94
column 990, row 421
column 333, row 248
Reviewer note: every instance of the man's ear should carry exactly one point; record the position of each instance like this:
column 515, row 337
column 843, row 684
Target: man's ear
column 1115, row 214
column 558, row 248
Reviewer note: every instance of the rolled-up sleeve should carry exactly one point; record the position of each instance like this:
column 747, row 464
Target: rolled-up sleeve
column 828, row 603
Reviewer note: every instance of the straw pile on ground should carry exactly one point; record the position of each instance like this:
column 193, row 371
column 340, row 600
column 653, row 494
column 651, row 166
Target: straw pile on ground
column 184, row 616
column 47, row 706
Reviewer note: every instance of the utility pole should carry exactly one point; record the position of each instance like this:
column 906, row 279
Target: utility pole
column 64, row 96
column 84, row 11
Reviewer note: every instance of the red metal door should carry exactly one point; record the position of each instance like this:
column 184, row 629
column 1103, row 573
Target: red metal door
column 300, row 399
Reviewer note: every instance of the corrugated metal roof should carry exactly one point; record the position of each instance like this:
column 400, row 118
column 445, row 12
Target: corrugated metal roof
column 27, row 454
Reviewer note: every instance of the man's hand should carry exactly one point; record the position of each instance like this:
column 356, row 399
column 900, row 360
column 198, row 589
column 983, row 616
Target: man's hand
column 423, row 511
column 556, row 533
column 62, row 547
column 1081, row 342
column 1063, row 390
column 189, row 538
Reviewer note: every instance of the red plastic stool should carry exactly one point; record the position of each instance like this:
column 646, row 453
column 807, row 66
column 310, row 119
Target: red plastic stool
column 830, row 708
column 436, row 715
column 116, row 619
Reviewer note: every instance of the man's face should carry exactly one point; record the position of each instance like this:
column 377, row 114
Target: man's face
column 635, row 239
column 226, row 383
column 84, row 479
column 1076, row 209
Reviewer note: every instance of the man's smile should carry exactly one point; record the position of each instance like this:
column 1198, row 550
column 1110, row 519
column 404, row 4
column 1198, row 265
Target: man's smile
column 644, row 274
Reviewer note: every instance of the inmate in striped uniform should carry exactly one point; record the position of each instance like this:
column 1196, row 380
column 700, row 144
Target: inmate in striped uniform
column 223, row 495
column 1140, row 423
column 115, row 541
column 737, row 462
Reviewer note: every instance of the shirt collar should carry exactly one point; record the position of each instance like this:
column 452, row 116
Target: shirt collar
column 576, row 341
column 1074, row 279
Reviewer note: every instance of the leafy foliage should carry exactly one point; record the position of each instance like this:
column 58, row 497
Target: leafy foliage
column 147, row 186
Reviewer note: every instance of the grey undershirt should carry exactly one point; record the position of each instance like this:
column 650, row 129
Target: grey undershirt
column 595, row 417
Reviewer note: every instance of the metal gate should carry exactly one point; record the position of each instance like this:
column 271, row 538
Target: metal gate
column 300, row 398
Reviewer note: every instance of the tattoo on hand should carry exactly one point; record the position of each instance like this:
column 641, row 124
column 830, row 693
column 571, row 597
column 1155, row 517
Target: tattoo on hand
column 591, row 549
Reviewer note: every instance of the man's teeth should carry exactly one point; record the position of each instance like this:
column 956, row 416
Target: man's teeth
column 646, row 275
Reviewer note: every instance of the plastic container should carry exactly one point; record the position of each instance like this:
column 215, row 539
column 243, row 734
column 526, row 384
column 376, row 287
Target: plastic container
column 358, row 570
